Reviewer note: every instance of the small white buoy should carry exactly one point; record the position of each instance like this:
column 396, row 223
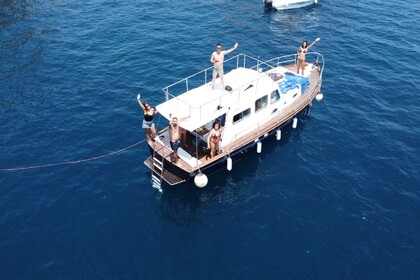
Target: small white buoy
column 259, row 147
column 200, row 180
column 319, row 96
column 295, row 120
column 229, row 164
column 278, row 134
column 316, row 1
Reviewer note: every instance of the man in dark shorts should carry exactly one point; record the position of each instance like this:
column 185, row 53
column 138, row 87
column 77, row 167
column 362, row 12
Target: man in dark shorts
column 175, row 133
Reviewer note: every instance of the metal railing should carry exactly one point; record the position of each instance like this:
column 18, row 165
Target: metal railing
column 205, row 76
column 292, row 58
column 240, row 60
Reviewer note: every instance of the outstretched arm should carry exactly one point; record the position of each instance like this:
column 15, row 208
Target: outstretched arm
column 232, row 49
column 184, row 118
column 314, row 42
column 139, row 101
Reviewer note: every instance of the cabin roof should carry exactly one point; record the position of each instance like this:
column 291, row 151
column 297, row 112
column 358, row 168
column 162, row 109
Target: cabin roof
column 203, row 104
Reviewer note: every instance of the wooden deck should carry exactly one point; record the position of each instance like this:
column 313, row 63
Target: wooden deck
column 169, row 177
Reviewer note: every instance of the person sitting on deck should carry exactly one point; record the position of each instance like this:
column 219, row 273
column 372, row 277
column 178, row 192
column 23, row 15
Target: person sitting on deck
column 175, row 136
column 215, row 136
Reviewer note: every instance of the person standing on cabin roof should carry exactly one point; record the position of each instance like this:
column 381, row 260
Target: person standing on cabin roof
column 175, row 135
column 301, row 54
column 217, row 59
column 148, row 125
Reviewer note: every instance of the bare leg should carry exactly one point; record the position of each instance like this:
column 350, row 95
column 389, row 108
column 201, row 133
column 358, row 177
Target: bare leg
column 212, row 149
column 221, row 79
column 214, row 79
column 302, row 65
column 175, row 157
column 299, row 66
column 147, row 130
column 153, row 129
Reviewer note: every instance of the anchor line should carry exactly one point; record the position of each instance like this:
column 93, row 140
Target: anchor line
column 73, row 161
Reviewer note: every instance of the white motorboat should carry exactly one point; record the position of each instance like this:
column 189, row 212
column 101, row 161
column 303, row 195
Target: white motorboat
column 260, row 98
column 288, row 4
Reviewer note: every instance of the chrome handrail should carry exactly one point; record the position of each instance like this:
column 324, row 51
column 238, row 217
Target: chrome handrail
column 226, row 63
column 256, row 63
column 242, row 60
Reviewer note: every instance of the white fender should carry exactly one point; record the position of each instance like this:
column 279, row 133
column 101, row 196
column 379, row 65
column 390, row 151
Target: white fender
column 200, row 180
column 229, row 164
column 295, row 121
column 278, row 134
column 259, row 147
column 319, row 96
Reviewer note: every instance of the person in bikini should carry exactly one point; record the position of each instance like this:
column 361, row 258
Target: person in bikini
column 215, row 136
column 217, row 59
column 175, row 135
column 148, row 125
column 303, row 49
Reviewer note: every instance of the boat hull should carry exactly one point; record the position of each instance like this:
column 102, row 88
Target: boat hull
column 236, row 155
column 287, row 4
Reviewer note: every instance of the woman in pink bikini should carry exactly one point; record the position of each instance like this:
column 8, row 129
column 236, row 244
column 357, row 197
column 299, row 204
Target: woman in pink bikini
column 215, row 136
column 303, row 49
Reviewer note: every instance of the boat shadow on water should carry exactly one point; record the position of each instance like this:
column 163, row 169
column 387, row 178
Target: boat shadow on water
column 186, row 204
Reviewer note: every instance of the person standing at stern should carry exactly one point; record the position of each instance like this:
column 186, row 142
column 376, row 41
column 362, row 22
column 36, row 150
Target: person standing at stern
column 301, row 55
column 148, row 125
column 213, row 139
column 217, row 59
column 175, row 135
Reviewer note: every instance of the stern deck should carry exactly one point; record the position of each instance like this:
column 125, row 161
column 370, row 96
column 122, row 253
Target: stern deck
column 168, row 176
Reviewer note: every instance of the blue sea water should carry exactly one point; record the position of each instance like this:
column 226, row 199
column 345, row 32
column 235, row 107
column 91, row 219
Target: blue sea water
column 337, row 198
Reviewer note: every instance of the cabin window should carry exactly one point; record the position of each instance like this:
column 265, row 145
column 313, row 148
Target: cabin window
column 261, row 103
column 275, row 96
column 241, row 115
column 222, row 120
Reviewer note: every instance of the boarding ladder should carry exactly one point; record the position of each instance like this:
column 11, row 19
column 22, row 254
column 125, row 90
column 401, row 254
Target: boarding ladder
column 157, row 169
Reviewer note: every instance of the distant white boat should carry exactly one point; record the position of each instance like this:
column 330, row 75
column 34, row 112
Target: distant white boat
column 288, row 4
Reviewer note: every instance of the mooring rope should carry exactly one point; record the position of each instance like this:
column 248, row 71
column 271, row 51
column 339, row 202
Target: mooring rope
column 73, row 161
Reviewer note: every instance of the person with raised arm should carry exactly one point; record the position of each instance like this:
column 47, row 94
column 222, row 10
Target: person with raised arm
column 301, row 55
column 175, row 136
column 217, row 59
column 148, row 124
